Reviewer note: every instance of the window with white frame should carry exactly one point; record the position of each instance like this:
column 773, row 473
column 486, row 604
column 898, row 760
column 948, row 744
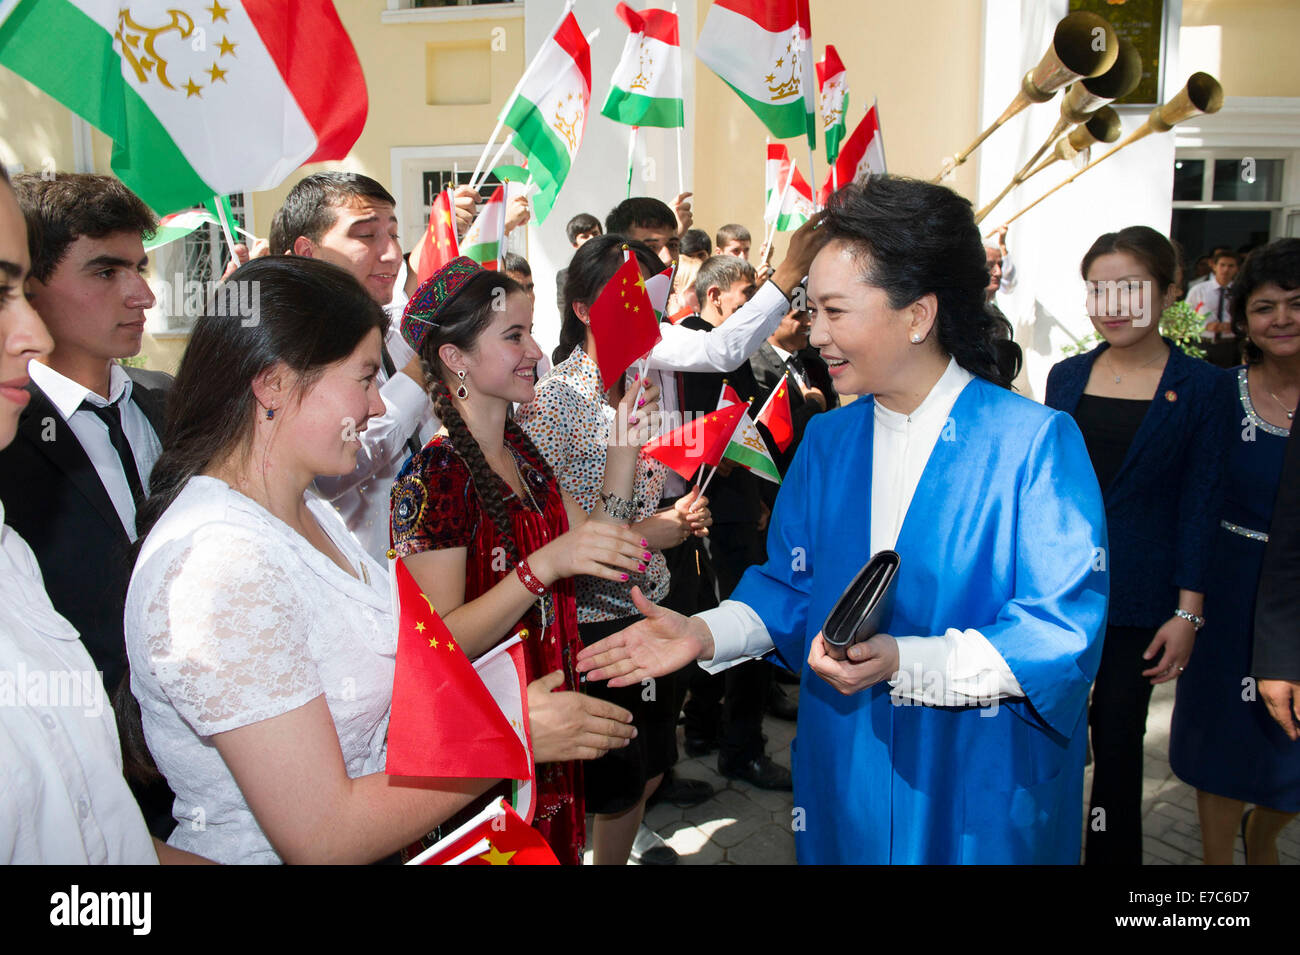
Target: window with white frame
column 1229, row 198
column 185, row 271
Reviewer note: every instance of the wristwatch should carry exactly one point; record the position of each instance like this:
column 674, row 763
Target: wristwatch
column 1193, row 619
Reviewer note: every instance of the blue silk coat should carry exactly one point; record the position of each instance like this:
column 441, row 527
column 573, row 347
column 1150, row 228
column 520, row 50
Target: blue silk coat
column 1005, row 534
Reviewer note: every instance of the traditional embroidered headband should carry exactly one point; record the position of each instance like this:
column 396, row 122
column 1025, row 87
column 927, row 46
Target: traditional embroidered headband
column 433, row 296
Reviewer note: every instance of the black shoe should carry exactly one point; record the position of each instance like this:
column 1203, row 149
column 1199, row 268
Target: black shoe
column 682, row 793
column 649, row 848
column 760, row 772
column 781, row 706
column 700, row 745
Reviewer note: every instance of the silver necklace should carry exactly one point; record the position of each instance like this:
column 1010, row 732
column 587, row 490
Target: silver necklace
column 1290, row 412
column 1138, row 368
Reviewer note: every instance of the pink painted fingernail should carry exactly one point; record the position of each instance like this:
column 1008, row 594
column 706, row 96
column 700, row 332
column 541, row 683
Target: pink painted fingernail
column 644, row 542
column 624, row 577
column 640, row 567
column 646, row 554
column 632, row 420
column 640, row 402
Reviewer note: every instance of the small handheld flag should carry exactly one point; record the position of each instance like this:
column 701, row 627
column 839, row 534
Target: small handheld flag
column 623, row 322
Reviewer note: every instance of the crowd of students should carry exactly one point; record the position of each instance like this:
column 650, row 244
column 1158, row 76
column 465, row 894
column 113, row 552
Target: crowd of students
column 217, row 546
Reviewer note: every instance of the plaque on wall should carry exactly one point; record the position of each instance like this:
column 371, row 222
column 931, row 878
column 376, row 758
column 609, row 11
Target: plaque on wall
column 1142, row 22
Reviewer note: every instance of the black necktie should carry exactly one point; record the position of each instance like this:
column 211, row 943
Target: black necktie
column 390, row 369
column 111, row 415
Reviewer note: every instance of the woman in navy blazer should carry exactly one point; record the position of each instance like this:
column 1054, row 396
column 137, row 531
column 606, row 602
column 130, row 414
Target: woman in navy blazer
column 1155, row 422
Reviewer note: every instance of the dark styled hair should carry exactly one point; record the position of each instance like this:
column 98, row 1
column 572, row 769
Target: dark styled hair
column 696, row 242
column 732, row 230
column 582, row 222
column 1226, row 254
column 1143, row 243
column 461, row 323
column 62, row 209
column 722, row 271
column 307, row 314
column 913, row 238
column 640, row 212
column 1277, row 263
column 591, row 268
column 312, row 206
column 514, row 262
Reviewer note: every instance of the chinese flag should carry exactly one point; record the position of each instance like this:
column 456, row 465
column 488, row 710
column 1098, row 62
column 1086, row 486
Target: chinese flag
column 496, row 836
column 444, row 721
column 697, row 442
column 776, row 417
column 623, row 322
column 440, row 245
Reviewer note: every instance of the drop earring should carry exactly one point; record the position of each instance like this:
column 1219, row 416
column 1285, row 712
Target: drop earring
column 270, row 413
column 462, row 392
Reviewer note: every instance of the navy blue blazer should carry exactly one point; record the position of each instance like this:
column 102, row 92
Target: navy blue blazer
column 1162, row 508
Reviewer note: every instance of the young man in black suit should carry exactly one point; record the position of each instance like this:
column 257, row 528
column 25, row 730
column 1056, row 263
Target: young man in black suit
column 87, row 441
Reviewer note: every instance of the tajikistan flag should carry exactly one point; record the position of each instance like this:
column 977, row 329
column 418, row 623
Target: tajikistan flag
column 833, row 83
column 178, row 226
column 863, row 155
column 789, row 197
column 199, row 99
column 487, row 232
column 549, row 114
column 747, row 447
column 762, row 49
column 646, row 89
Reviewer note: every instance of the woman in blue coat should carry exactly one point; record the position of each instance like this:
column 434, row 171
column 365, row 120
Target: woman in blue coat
column 957, row 734
column 1156, row 423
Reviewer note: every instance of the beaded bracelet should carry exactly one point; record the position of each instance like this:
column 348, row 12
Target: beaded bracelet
column 529, row 579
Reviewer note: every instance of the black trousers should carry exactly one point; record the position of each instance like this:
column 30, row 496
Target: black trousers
column 1118, row 718
column 730, row 705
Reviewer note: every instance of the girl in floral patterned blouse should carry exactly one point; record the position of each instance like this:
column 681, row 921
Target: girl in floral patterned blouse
column 489, row 536
column 568, row 421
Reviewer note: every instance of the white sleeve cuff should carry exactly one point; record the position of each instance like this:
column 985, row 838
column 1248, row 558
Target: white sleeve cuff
column 738, row 632
column 958, row 668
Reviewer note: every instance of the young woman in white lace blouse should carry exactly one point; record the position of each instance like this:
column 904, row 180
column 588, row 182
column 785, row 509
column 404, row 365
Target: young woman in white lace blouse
column 259, row 631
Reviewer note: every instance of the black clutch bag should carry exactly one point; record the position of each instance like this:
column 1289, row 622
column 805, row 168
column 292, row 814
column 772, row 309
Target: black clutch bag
column 863, row 607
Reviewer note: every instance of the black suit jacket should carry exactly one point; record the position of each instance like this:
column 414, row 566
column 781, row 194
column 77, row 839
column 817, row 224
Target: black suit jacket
column 55, row 500
column 1277, row 608
column 1162, row 508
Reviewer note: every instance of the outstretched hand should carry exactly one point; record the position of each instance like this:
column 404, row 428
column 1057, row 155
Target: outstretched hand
column 662, row 643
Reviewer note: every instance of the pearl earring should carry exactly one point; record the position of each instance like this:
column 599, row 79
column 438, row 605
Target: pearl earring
column 916, row 339
column 462, row 392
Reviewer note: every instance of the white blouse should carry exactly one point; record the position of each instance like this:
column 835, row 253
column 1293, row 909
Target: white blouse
column 232, row 617
column 63, row 800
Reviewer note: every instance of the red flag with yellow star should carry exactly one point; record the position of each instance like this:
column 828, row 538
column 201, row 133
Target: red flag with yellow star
column 440, row 245
column 444, row 722
column 496, row 836
column 697, row 442
column 623, row 322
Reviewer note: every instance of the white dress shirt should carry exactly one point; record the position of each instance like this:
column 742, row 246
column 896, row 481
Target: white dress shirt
column 955, row 668
column 1205, row 297
column 362, row 497
column 63, row 799
column 67, row 395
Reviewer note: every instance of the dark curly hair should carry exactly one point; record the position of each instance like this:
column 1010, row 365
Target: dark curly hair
column 1277, row 263
column 913, row 239
column 461, row 323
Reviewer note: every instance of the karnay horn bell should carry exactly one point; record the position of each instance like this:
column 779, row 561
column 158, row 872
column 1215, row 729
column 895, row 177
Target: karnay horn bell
column 1200, row 96
column 1083, row 45
column 1082, row 102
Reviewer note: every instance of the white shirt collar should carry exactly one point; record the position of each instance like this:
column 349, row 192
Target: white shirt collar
column 784, row 355
column 67, row 395
column 939, row 401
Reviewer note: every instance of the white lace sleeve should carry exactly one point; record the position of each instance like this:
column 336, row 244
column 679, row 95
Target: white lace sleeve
column 226, row 630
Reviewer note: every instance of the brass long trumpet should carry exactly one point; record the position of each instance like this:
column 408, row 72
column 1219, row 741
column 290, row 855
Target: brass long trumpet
column 1102, row 127
column 1081, row 101
column 1083, row 45
column 1201, row 95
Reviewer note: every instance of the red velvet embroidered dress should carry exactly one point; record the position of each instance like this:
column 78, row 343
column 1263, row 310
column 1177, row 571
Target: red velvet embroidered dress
column 435, row 507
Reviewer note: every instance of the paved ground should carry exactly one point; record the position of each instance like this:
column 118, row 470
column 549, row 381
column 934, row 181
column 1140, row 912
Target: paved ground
column 742, row 825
